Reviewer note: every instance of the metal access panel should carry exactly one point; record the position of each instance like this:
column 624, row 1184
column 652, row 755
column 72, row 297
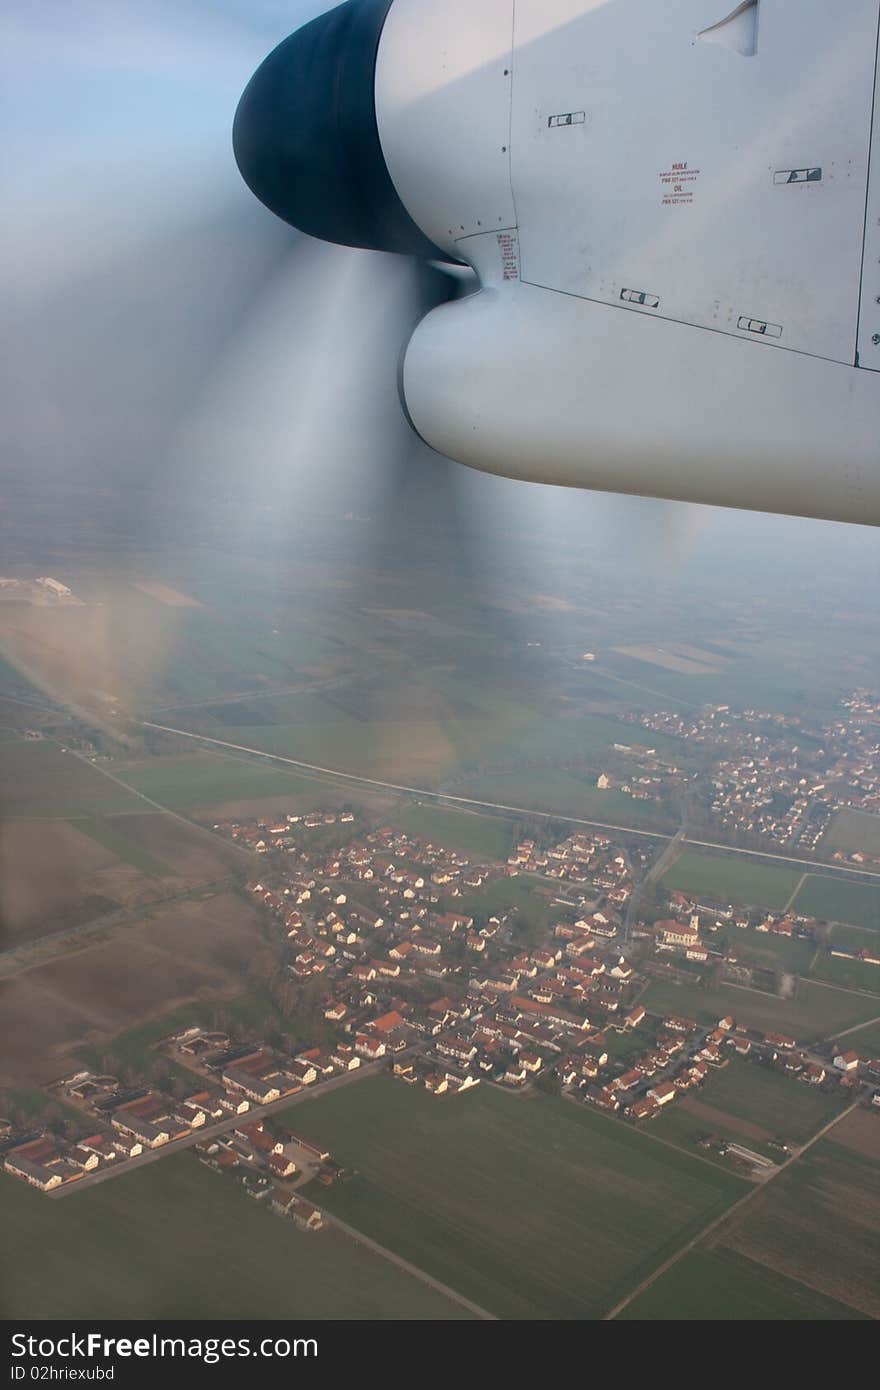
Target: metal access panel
column 718, row 174
column 869, row 315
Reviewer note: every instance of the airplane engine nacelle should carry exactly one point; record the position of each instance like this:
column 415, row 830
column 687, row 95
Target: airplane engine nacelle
column 673, row 211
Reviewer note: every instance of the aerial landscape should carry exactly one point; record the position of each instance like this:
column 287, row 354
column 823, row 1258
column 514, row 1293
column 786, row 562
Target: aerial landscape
column 517, row 958
column 429, row 893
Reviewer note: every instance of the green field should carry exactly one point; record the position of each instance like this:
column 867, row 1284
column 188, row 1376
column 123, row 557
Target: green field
column 205, row 780
column 533, row 1207
column 481, row 837
column 866, row 1040
column 174, row 1240
column 847, row 974
column 112, row 835
column 720, row 1285
column 817, row 1012
column 773, row 952
column 818, row 1223
column 383, row 749
column 589, row 739
column 564, row 794
column 769, row 674
column 854, row 830
column 782, row 1106
column 839, row 900
column 211, row 653
column 505, row 893
column 40, row 780
column 854, row 938
column 732, row 878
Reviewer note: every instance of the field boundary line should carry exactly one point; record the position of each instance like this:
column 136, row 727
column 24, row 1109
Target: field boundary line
column 726, row 1215
column 17, row 959
column 413, row 1270
column 652, row 1138
column 157, row 806
column 855, row 1029
column 798, row 886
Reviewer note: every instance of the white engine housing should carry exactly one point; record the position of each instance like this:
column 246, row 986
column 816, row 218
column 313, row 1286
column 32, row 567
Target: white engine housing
column 674, row 214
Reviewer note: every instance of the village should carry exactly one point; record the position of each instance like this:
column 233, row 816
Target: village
column 379, row 925
column 781, row 779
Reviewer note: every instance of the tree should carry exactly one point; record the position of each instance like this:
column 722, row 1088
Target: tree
column 548, row 1082
column 56, row 1121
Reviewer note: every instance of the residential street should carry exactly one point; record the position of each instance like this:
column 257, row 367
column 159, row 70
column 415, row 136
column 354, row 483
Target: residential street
column 198, row 1136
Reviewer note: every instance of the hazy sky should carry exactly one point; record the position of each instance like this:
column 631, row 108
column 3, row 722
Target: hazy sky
column 163, row 324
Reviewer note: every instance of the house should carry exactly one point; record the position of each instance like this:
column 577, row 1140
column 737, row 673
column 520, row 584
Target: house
column 388, row 1022
column 345, row 1058
column 37, row 1174
column 603, row 1097
column 280, row 1166
column 453, row 1045
column 388, row 968
column 142, row 1119
column 644, row 1109
column 304, row 1071
column 302, row 1212
column 626, row 1081
column 663, row 1093
column 634, row 1017
column 847, row 1061
column 255, row 1134
column 101, row 1145
column 254, row 1087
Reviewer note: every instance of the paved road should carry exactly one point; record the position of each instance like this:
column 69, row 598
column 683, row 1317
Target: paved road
column 726, row 1215
column 838, row 870
column 212, row 1131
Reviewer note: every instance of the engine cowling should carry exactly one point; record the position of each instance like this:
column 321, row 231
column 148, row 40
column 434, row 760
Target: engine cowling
column 665, row 208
